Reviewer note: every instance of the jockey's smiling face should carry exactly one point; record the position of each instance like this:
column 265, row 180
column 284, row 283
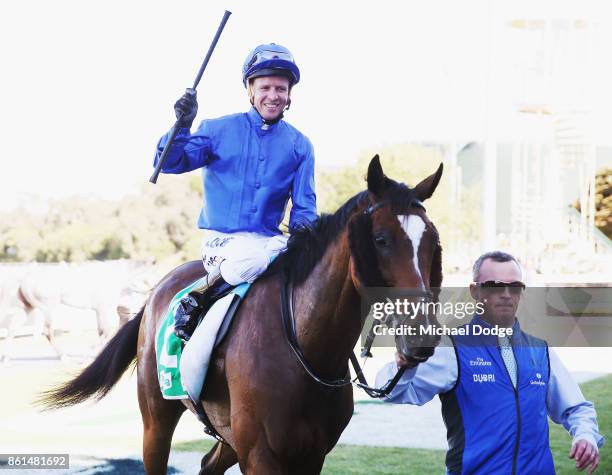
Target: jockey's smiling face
column 270, row 95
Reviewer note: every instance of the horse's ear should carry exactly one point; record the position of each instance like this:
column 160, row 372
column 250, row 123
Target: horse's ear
column 427, row 187
column 376, row 177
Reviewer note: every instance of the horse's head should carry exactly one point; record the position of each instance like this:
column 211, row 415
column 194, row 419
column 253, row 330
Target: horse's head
column 394, row 244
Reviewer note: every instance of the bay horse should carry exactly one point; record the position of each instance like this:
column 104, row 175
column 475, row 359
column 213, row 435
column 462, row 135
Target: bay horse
column 273, row 417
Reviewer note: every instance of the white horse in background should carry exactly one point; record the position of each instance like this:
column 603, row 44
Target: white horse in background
column 13, row 317
column 45, row 300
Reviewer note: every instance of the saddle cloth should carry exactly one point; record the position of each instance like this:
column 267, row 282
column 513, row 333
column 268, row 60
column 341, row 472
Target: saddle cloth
column 181, row 370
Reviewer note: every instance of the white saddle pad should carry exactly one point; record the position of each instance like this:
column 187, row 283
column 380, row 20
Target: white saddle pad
column 196, row 354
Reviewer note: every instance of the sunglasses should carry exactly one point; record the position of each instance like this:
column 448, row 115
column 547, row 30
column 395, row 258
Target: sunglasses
column 514, row 288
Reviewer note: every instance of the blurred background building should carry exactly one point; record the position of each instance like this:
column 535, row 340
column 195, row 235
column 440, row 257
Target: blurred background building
column 540, row 157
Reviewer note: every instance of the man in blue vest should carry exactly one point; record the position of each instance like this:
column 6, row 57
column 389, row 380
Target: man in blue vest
column 252, row 163
column 497, row 392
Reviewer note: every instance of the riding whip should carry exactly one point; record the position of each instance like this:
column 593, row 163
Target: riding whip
column 176, row 127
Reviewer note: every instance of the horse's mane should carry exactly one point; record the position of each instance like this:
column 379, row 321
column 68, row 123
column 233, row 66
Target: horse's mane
column 307, row 245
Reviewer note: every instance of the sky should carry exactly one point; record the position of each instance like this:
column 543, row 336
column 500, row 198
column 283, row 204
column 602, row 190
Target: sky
column 88, row 86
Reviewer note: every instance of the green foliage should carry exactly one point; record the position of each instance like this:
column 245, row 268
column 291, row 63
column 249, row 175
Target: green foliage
column 603, row 201
column 160, row 221
column 409, row 163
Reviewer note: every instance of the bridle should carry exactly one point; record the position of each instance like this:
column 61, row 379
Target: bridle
column 289, row 327
column 288, row 320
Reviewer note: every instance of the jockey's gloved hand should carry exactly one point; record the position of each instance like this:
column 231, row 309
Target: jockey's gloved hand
column 186, row 108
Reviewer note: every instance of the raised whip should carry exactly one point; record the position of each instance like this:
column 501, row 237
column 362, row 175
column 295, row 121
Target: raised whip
column 175, row 128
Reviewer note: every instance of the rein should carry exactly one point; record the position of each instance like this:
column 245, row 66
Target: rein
column 291, row 336
column 288, row 319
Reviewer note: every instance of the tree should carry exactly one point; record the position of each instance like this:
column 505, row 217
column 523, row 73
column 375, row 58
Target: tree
column 603, row 201
column 160, row 221
column 408, row 163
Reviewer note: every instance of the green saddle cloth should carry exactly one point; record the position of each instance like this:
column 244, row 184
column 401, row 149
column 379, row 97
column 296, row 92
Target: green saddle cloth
column 169, row 347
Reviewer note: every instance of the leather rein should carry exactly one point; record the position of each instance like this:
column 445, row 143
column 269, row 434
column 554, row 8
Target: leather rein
column 289, row 327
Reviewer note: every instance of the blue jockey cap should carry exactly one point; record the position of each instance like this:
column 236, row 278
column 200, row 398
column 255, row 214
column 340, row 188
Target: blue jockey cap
column 270, row 60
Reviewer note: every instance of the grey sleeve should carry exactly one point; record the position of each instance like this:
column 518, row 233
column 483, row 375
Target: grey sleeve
column 421, row 384
column 566, row 404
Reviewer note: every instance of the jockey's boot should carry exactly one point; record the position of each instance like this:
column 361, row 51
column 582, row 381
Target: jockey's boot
column 195, row 305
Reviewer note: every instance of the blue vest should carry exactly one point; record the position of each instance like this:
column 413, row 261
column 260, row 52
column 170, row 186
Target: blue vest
column 493, row 428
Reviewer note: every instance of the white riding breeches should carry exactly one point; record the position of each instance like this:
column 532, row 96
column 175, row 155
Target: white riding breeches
column 240, row 257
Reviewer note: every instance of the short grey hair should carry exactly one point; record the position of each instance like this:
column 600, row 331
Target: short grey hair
column 497, row 256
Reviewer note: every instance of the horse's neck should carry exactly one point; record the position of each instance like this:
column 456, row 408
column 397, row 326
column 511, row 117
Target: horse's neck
column 327, row 312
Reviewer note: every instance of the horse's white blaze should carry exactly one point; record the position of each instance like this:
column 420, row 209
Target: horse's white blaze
column 414, row 227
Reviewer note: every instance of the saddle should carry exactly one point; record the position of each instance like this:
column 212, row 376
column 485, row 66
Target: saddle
column 182, row 368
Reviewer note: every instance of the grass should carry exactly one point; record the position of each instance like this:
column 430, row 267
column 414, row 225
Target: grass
column 357, row 460
column 73, row 431
column 600, row 392
column 361, row 460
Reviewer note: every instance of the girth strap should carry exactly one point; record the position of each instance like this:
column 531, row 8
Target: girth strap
column 209, row 428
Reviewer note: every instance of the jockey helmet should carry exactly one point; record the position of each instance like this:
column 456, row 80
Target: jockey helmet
column 270, row 60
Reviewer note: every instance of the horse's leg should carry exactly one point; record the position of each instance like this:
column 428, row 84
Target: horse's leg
column 159, row 415
column 43, row 328
column 262, row 461
column 48, row 319
column 106, row 318
column 218, row 459
column 157, row 438
column 38, row 325
column 17, row 319
column 310, row 467
column 8, row 340
column 103, row 328
column 159, row 418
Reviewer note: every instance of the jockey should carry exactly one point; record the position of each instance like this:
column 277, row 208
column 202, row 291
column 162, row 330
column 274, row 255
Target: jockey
column 252, row 163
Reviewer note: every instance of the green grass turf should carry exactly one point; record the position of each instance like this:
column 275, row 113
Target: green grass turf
column 354, row 460
column 600, row 392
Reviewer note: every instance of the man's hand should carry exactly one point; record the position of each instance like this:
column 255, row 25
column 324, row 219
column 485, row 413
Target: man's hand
column 186, row 108
column 402, row 362
column 585, row 454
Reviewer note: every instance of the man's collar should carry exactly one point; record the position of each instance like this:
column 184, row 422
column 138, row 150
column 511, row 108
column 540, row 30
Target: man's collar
column 257, row 121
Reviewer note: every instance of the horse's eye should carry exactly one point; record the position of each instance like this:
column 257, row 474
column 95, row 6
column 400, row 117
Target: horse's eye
column 380, row 240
